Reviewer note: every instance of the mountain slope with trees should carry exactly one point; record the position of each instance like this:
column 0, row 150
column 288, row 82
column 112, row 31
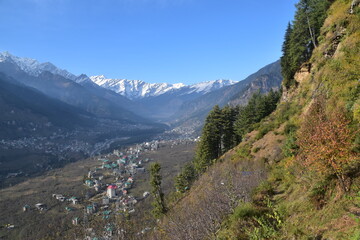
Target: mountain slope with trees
column 296, row 172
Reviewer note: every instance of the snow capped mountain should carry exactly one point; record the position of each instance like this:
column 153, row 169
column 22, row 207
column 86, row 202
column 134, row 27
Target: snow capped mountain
column 132, row 89
column 136, row 89
column 34, row 67
column 209, row 86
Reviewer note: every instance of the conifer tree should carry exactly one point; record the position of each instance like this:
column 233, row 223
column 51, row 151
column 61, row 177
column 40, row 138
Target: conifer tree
column 209, row 147
column 155, row 182
column 185, row 178
column 302, row 36
column 228, row 137
column 286, row 58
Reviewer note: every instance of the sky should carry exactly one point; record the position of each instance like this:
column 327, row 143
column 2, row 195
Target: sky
column 172, row 41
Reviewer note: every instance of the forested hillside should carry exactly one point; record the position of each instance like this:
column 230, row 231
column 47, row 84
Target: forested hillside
column 285, row 169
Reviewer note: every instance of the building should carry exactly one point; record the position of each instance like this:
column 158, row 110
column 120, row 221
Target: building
column 74, row 200
column 105, row 200
column 26, row 208
column 111, row 193
column 41, row 206
column 75, row 221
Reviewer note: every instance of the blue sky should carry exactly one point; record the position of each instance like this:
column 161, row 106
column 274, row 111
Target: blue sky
column 171, row 41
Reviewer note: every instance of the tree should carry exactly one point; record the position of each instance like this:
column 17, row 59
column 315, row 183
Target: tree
column 155, row 182
column 286, row 58
column 301, row 37
column 185, row 178
column 209, row 147
column 228, row 135
column 258, row 107
column 325, row 142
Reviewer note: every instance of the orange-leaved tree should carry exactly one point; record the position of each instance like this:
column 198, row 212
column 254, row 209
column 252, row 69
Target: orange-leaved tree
column 325, row 142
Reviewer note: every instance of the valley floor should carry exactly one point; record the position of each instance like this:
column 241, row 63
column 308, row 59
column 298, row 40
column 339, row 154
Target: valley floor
column 57, row 221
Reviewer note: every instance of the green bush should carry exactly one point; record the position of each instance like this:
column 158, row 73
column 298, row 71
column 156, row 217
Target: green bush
column 245, row 210
column 290, row 148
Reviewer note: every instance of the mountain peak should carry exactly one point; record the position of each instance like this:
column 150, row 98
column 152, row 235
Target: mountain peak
column 34, row 67
column 137, row 89
column 134, row 89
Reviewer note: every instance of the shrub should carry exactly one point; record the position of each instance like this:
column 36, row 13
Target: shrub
column 326, row 142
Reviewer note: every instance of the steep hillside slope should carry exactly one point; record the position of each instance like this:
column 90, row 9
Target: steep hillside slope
column 309, row 148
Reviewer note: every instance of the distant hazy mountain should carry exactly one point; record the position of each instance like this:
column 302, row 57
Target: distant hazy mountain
column 34, row 67
column 136, row 89
column 192, row 113
column 27, row 112
column 86, row 95
column 135, row 100
column 159, row 101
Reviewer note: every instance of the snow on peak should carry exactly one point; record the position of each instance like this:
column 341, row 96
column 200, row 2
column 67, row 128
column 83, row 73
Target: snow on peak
column 137, row 89
column 209, row 86
column 34, row 67
column 134, row 89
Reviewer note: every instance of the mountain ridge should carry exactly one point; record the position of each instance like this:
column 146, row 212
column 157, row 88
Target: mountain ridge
column 137, row 89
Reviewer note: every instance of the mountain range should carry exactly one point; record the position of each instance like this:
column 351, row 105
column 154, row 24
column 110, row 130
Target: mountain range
column 135, row 101
column 136, row 89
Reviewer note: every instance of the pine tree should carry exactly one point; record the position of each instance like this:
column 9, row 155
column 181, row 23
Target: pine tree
column 286, row 58
column 228, row 136
column 209, row 147
column 302, row 36
column 185, row 178
column 155, row 182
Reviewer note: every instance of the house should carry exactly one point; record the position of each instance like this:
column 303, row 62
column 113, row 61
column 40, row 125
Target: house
column 26, row 208
column 105, row 201
column 60, row 197
column 89, row 209
column 111, row 191
column 89, row 183
column 117, row 153
column 41, row 206
column 74, row 200
column 75, row 221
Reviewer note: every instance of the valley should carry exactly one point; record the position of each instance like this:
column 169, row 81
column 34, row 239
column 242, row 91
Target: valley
column 86, row 116
column 70, row 181
column 180, row 120
column 26, row 157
